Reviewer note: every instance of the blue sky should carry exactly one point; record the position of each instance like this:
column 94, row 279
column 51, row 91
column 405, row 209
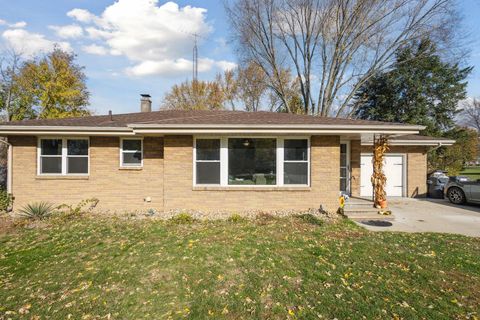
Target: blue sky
column 150, row 47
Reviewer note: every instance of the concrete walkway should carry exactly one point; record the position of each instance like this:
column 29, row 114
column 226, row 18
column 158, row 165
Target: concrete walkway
column 432, row 215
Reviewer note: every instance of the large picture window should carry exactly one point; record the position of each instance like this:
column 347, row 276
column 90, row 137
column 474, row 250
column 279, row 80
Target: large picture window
column 246, row 161
column 63, row 156
column 252, row 161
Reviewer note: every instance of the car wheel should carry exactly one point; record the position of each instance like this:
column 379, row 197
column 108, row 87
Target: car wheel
column 456, row 195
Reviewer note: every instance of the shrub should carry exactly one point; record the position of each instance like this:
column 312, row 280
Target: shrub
column 235, row 218
column 70, row 211
column 182, row 218
column 37, row 211
column 309, row 218
column 5, row 200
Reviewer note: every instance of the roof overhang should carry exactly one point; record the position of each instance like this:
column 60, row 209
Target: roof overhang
column 275, row 126
column 364, row 131
column 428, row 143
column 7, row 130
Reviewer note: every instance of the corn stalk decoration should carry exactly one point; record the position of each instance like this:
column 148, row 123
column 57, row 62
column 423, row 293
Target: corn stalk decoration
column 380, row 147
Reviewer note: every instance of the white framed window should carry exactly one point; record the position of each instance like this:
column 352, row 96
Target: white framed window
column 131, row 152
column 240, row 161
column 296, row 163
column 63, row 156
column 207, row 161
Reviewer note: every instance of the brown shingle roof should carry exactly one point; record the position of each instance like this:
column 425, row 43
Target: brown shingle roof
column 417, row 137
column 196, row 118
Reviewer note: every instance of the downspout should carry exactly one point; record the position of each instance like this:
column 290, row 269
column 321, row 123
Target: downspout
column 437, row 146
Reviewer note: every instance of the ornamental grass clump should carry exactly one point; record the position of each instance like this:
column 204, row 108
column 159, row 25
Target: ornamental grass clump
column 182, row 218
column 236, row 218
column 37, row 211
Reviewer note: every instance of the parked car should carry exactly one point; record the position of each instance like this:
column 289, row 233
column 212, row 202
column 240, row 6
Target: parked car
column 461, row 189
column 436, row 184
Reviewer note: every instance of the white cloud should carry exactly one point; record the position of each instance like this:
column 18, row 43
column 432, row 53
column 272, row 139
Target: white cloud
column 30, row 44
column 81, row 15
column 226, row 65
column 95, row 49
column 156, row 38
column 68, row 31
column 169, row 67
column 95, row 33
column 19, row 24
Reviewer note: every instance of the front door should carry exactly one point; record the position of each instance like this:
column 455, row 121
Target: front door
column 344, row 168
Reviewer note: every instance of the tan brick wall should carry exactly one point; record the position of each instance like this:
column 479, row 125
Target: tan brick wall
column 179, row 191
column 416, row 157
column 120, row 190
column 167, row 177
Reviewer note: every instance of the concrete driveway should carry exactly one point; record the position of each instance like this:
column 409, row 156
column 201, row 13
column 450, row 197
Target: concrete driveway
column 432, row 215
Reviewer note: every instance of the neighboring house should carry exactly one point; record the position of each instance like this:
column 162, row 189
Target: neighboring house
column 208, row 160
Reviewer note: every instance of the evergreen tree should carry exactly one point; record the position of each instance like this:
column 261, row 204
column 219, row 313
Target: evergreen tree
column 420, row 89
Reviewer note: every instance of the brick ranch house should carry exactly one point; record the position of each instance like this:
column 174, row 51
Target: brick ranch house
column 208, row 160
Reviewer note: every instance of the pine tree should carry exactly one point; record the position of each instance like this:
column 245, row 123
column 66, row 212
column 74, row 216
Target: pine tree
column 419, row 89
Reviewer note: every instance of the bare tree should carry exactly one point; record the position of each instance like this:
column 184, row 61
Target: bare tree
column 471, row 114
column 331, row 46
column 244, row 87
column 251, row 86
column 10, row 62
column 195, row 95
column 229, row 86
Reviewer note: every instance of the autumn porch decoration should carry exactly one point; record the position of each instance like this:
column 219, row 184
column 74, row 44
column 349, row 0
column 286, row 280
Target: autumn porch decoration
column 380, row 147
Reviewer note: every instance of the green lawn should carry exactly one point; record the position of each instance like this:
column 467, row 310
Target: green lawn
column 472, row 172
column 264, row 269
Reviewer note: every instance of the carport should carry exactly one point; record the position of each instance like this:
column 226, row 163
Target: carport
column 405, row 166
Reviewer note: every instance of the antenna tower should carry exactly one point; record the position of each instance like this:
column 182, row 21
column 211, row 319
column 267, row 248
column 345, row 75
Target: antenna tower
column 195, row 58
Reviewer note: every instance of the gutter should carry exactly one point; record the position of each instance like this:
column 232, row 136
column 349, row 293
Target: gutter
column 133, row 129
column 142, row 128
column 65, row 130
column 440, row 145
column 379, row 127
column 268, row 131
column 436, row 143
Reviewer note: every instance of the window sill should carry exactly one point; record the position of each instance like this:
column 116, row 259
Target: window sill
column 130, row 168
column 59, row 177
column 251, row 188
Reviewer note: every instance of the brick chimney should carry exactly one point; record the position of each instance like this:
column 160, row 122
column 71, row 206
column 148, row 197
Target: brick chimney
column 145, row 103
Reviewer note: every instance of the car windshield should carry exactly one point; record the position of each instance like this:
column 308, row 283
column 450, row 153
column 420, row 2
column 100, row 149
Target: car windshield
column 443, row 180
